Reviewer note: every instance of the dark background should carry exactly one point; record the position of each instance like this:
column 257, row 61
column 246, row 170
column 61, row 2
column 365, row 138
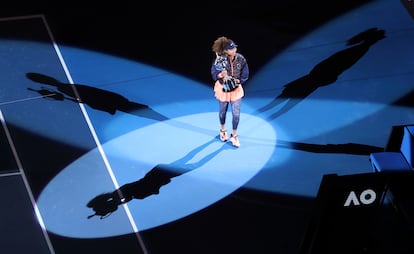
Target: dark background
column 175, row 35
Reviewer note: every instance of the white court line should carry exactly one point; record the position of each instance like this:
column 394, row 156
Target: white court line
column 26, row 99
column 21, row 17
column 98, row 143
column 26, row 183
column 10, row 174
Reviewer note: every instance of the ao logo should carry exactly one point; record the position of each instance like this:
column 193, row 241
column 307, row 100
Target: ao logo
column 366, row 197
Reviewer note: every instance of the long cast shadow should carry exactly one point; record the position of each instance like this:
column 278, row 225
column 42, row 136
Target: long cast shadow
column 105, row 204
column 406, row 101
column 324, row 73
column 348, row 148
column 96, row 98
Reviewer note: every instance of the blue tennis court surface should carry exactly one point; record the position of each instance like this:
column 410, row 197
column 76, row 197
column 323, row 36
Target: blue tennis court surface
column 82, row 126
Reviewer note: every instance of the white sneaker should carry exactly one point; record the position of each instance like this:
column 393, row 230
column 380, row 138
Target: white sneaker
column 235, row 140
column 223, row 135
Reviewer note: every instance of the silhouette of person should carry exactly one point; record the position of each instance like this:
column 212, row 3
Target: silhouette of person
column 325, row 72
column 160, row 175
column 96, row 98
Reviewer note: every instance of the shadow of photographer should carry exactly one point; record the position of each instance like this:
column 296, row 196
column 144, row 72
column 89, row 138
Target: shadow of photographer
column 324, row 73
column 95, row 98
column 105, row 204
